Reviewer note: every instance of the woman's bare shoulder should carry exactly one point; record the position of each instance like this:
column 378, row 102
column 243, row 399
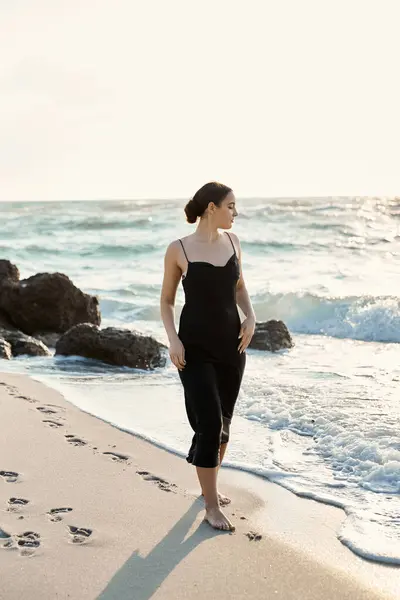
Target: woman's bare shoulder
column 235, row 240
column 234, row 237
column 174, row 245
column 174, row 248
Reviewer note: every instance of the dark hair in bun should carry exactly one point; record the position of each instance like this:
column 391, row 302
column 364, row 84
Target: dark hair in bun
column 210, row 192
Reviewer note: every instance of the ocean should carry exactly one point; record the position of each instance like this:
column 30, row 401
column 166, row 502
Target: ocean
column 321, row 419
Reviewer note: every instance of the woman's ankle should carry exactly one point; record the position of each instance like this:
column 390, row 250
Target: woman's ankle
column 210, row 504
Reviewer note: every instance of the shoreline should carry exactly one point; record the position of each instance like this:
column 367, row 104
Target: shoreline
column 141, row 504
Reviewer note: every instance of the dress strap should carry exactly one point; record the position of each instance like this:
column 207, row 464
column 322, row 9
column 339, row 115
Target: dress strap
column 233, row 246
column 183, row 248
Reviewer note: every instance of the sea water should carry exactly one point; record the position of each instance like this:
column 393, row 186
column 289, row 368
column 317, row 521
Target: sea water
column 321, row 419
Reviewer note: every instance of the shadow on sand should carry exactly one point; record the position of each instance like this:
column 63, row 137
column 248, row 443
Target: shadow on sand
column 140, row 577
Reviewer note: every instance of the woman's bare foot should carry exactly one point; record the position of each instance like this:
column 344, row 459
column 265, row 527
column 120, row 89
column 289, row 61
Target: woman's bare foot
column 216, row 518
column 223, row 500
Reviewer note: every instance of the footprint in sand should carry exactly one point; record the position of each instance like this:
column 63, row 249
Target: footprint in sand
column 72, row 439
column 27, row 398
column 79, row 535
column 10, row 389
column 253, row 536
column 45, row 410
column 117, row 457
column 14, row 504
column 55, row 513
column 53, row 423
column 162, row 483
column 27, row 542
column 9, row 476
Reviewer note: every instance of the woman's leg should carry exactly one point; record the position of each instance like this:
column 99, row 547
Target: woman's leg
column 223, row 500
column 229, row 379
column 204, row 412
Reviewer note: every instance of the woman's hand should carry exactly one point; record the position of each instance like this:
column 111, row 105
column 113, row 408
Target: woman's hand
column 177, row 353
column 246, row 332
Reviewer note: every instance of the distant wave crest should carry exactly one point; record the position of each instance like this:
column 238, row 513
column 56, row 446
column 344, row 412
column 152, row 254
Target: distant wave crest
column 365, row 318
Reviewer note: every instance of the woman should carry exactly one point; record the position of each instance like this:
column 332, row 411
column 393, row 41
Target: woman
column 209, row 348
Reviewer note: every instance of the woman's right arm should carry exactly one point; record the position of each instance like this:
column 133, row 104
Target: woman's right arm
column 172, row 276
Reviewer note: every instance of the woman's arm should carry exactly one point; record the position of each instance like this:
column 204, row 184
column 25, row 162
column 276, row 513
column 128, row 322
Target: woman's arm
column 172, row 276
column 244, row 302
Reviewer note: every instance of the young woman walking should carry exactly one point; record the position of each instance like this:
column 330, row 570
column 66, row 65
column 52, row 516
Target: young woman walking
column 209, row 347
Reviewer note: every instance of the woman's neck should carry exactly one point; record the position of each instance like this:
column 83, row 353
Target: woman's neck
column 206, row 232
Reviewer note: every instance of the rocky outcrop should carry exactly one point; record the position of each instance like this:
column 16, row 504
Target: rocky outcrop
column 20, row 343
column 45, row 302
column 5, row 349
column 114, row 346
column 272, row 336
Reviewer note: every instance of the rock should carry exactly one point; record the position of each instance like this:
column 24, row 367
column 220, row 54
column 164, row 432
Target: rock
column 46, row 302
column 8, row 272
column 5, row 349
column 114, row 346
column 4, row 321
column 272, row 336
column 48, row 339
column 24, row 344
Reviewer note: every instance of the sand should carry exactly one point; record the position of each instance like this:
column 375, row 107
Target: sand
column 131, row 524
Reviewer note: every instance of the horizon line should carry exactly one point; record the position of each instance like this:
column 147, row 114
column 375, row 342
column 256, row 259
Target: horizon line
column 185, row 199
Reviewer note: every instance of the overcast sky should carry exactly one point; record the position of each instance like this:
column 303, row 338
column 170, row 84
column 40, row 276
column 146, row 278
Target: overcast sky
column 152, row 98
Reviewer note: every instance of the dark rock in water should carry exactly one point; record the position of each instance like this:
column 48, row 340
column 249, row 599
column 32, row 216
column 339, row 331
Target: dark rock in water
column 5, row 349
column 114, row 346
column 272, row 336
column 46, row 302
column 42, row 306
column 23, row 344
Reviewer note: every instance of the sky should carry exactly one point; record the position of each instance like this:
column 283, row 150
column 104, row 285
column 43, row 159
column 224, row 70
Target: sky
column 151, row 99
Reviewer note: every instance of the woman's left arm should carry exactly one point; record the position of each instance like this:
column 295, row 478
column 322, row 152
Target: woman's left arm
column 244, row 302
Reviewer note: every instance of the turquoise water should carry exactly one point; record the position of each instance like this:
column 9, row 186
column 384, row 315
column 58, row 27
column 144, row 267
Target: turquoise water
column 321, row 419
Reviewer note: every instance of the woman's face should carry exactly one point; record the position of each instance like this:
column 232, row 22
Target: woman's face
column 224, row 214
